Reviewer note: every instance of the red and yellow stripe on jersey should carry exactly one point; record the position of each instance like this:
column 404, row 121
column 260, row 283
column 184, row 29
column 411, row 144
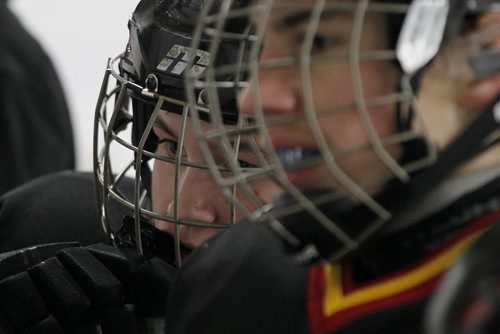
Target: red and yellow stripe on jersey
column 335, row 301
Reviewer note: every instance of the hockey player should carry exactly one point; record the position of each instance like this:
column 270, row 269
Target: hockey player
column 155, row 217
column 379, row 121
column 174, row 190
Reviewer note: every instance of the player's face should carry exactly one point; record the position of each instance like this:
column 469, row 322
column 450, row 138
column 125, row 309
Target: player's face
column 199, row 197
column 332, row 87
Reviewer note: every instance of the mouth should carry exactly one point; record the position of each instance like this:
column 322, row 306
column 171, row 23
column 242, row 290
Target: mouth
column 300, row 164
column 294, row 159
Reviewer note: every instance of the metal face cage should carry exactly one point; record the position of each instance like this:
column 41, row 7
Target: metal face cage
column 117, row 159
column 351, row 197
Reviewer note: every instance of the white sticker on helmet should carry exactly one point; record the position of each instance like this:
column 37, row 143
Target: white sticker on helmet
column 180, row 57
column 422, row 33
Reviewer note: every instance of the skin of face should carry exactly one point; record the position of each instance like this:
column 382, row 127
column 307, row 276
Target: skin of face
column 444, row 98
column 200, row 199
column 281, row 92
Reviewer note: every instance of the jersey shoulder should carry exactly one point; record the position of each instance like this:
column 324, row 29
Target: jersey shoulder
column 56, row 207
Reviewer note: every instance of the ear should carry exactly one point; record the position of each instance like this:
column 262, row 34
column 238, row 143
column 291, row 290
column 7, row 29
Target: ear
column 478, row 93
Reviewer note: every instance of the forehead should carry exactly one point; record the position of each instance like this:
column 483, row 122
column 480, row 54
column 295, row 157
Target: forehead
column 296, row 12
column 305, row 2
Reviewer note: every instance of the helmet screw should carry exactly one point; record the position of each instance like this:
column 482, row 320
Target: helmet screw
column 152, row 83
column 128, row 49
column 203, row 97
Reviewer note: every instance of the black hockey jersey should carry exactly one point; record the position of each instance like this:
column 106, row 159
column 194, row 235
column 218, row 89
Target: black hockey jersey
column 243, row 281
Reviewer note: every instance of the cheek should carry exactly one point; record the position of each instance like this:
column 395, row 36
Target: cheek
column 266, row 190
column 331, row 86
column 344, row 130
column 384, row 121
column 379, row 78
column 162, row 185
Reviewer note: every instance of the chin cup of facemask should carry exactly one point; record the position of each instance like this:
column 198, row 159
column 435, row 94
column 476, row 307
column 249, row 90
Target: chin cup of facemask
column 154, row 242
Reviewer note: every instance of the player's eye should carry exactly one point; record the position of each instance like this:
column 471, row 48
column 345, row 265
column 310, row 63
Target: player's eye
column 322, row 43
column 168, row 147
column 173, row 146
column 246, row 164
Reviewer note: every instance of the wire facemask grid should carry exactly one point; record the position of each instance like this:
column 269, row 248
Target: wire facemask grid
column 112, row 143
column 298, row 62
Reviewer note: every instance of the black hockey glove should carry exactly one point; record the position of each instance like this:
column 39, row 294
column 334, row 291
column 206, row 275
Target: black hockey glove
column 65, row 288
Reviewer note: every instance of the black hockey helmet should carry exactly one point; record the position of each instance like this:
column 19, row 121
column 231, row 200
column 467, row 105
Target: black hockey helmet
column 158, row 54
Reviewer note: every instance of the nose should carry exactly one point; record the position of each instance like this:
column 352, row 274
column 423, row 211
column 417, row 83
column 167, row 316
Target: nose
column 274, row 86
column 198, row 200
column 198, row 197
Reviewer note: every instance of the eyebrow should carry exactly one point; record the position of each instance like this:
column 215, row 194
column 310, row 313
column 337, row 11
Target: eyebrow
column 301, row 17
column 164, row 126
